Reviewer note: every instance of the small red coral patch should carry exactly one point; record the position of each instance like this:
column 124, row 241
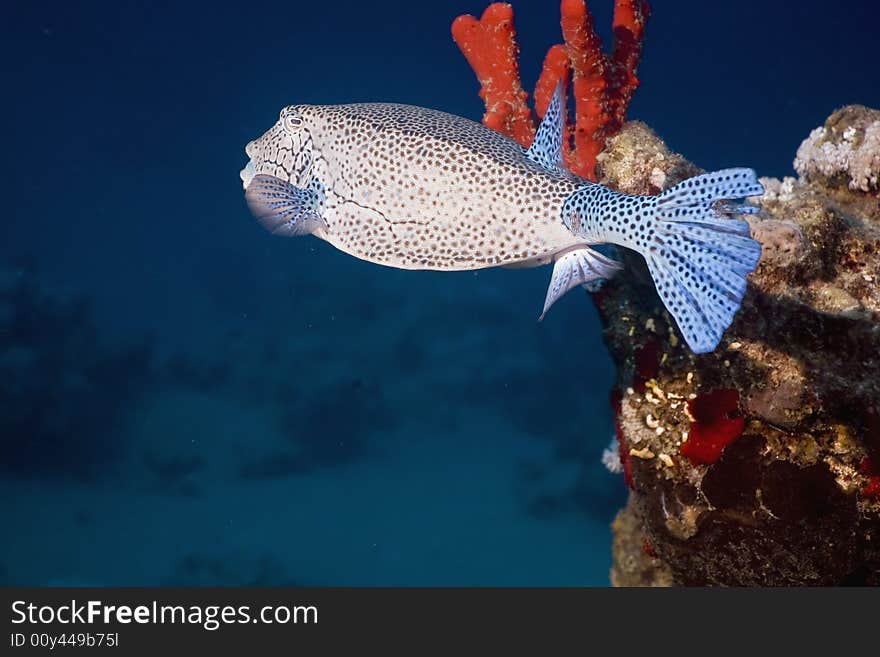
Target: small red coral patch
column 872, row 488
column 714, row 426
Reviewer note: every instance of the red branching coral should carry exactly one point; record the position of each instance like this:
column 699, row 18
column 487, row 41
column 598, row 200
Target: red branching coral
column 490, row 47
column 713, row 428
column 603, row 84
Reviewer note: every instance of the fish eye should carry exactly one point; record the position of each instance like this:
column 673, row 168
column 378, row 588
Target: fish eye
column 291, row 120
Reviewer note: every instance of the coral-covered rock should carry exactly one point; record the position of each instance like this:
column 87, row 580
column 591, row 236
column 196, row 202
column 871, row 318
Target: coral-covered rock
column 633, row 564
column 844, row 151
column 754, row 464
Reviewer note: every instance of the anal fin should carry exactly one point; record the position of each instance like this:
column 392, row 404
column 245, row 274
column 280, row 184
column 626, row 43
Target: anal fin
column 577, row 267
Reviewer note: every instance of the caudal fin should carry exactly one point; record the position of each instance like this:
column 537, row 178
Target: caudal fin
column 699, row 257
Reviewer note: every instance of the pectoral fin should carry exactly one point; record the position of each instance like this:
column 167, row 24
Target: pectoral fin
column 578, row 267
column 282, row 208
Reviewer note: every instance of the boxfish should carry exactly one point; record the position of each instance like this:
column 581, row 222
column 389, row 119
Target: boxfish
column 417, row 188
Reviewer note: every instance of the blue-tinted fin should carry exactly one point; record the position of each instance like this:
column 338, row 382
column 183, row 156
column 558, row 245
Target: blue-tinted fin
column 578, row 267
column 699, row 258
column 282, row 208
column 546, row 149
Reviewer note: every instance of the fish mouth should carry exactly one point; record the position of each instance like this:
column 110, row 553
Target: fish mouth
column 247, row 174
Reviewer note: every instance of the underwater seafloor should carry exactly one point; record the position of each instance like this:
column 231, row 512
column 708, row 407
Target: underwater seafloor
column 186, row 400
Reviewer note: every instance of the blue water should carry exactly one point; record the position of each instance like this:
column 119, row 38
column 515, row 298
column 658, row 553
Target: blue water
column 187, row 400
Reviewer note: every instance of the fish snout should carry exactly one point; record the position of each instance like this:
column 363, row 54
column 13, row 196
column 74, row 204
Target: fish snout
column 247, row 174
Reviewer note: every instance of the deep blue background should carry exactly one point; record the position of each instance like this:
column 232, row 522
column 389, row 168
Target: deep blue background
column 124, row 127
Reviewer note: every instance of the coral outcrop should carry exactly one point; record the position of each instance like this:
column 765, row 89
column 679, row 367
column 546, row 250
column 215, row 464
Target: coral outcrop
column 846, row 150
column 759, row 463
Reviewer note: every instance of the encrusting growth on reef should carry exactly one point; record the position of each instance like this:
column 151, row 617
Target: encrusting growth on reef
column 602, row 84
column 756, row 464
column 845, row 149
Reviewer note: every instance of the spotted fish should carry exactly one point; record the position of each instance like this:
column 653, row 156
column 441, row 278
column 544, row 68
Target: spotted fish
column 416, row 188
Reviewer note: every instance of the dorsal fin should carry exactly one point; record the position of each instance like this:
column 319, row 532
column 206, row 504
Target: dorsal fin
column 546, row 150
